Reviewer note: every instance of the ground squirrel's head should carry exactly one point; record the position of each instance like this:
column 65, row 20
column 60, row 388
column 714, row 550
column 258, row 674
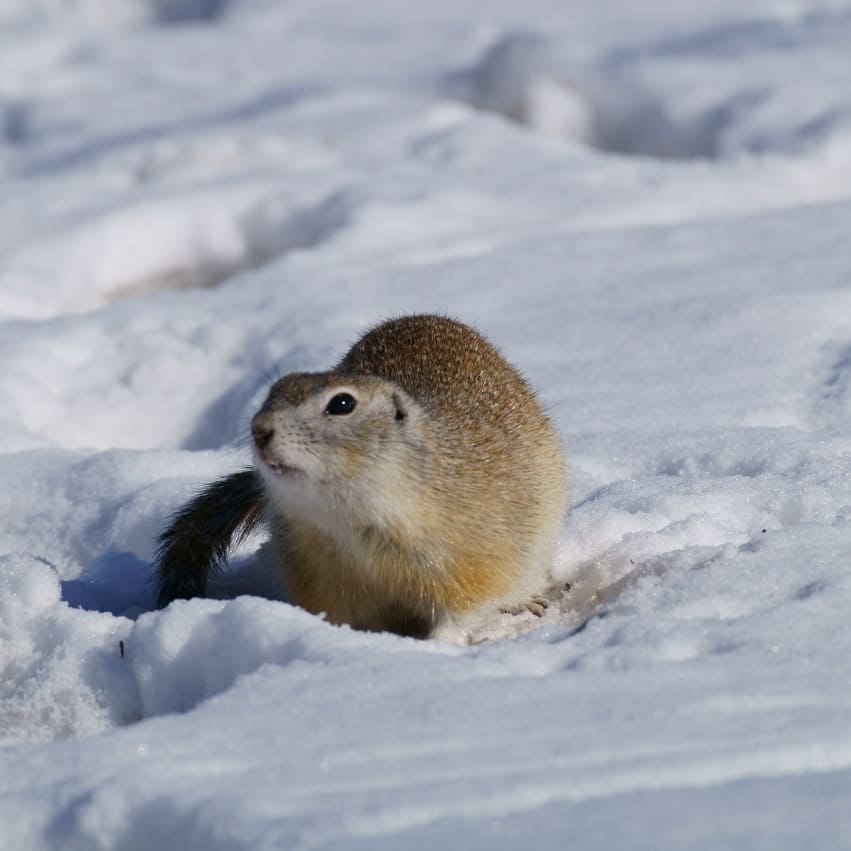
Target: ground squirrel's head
column 334, row 439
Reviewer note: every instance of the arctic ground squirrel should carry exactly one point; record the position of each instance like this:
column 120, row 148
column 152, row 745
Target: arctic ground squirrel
column 417, row 488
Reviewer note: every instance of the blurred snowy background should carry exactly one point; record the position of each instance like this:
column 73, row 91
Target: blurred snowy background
column 646, row 208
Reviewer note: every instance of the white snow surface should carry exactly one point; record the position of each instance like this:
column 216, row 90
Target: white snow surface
column 645, row 205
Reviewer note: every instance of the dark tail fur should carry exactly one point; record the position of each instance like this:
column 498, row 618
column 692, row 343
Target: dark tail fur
column 201, row 533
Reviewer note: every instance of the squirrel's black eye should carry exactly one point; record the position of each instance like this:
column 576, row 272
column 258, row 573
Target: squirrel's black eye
column 342, row 403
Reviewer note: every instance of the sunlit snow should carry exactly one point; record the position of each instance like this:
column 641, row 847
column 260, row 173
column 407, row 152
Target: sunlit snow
column 646, row 208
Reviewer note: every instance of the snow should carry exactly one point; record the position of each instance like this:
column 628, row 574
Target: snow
column 646, row 209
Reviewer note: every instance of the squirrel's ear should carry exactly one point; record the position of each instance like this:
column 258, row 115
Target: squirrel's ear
column 402, row 405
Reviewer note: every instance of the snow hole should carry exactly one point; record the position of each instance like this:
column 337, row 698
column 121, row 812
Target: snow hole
column 184, row 11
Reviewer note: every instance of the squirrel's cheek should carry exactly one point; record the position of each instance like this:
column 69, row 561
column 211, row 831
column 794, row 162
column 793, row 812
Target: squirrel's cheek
column 350, row 459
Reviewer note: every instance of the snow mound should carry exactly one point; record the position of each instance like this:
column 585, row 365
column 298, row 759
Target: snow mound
column 189, row 240
column 664, row 99
column 54, row 665
column 533, row 81
column 70, row 671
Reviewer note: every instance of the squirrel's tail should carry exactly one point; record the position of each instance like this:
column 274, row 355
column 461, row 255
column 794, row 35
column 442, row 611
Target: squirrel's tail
column 200, row 534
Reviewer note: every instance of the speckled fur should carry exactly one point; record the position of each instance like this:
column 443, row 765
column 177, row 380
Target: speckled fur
column 424, row 521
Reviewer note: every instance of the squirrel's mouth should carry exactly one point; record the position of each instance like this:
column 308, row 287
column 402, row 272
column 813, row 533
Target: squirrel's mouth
column 281, row 469
column 276, row 466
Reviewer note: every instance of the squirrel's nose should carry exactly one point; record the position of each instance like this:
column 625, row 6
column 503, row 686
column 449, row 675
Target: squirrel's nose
column 262, row 429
